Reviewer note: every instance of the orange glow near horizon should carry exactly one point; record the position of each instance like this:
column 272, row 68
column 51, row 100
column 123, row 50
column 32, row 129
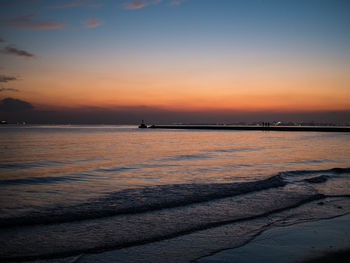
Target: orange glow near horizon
column 230, row 88
column 197, row 56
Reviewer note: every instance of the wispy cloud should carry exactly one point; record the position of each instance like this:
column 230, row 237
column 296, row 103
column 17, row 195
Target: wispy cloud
column 29, row 22
column 2, row 40
column 92, row 22
column 76, row 3
column 9, row 89
column 176, row 2
column 134, row 5
column 11, row 50
column 4, row 78
column 140, row 3
column 137, row 4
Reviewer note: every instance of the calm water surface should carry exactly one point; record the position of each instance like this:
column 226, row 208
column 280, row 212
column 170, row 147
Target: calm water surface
column 82, row 181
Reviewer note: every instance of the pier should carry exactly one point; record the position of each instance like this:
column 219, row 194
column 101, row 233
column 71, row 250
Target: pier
column 256, row 128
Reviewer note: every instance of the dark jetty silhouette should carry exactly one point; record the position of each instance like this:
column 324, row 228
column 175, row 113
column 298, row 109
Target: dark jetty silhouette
column 255, row 128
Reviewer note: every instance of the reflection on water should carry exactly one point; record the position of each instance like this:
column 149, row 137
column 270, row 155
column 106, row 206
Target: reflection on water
column 52, row 163
column 68, row 190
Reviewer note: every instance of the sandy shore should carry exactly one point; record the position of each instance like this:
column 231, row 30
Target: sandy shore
column 321, row 241
column 324, row 241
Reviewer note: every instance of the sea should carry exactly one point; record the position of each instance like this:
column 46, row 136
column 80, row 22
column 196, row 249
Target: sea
column 78, row 193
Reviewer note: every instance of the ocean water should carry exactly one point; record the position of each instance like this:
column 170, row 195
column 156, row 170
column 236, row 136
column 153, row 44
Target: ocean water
column 140, row 193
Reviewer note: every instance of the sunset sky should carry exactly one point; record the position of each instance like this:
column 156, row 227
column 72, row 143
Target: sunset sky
column 175, row 56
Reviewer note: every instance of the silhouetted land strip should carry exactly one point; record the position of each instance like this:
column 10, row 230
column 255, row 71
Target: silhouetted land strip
column 255, row 128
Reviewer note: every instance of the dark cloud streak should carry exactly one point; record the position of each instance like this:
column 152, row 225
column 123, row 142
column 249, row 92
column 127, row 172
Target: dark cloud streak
column 10, row 50
column 5, row 79
column 9, row 89
column 29, row 22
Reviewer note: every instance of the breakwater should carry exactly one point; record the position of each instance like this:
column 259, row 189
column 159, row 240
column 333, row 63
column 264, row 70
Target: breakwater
column 256, row 128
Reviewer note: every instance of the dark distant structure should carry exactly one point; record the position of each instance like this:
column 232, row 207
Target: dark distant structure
column 143, row 125
column 266, row 127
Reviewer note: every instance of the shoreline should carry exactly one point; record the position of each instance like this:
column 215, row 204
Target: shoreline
column 255, row 128
column 325, row 241
column 322, row 240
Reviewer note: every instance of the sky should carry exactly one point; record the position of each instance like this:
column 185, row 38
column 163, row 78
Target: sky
column 119, row 61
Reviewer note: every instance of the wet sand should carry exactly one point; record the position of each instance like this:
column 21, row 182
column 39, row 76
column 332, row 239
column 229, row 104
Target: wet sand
column 320, row 241
column 324, row 241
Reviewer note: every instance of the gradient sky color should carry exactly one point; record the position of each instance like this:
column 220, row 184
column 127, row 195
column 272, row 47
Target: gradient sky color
column 182, row 55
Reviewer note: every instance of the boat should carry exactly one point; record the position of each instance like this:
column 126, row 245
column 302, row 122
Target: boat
column 142, row 125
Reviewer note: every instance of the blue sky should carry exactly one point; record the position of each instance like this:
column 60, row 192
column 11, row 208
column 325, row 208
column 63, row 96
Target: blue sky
column 194, row 54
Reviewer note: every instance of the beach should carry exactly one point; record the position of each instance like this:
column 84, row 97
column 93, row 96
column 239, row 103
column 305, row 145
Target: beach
column 325, row 240
column 78, row 193
column 174, row 131
column 320, row 241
